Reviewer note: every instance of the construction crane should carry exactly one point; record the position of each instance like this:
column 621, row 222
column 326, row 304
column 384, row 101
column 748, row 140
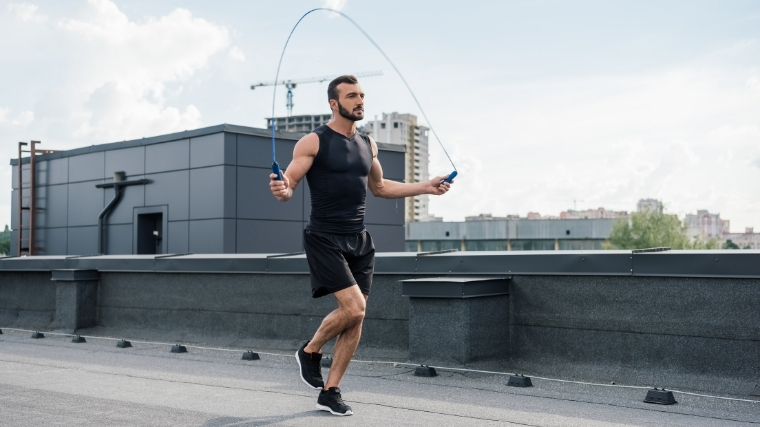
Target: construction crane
column 291, row 84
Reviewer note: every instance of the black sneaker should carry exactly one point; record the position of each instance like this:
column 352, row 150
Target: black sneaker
column 330, row 400
column 311, row 368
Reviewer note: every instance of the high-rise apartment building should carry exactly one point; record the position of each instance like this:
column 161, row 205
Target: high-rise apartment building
column 304, row 124
column 395, row 128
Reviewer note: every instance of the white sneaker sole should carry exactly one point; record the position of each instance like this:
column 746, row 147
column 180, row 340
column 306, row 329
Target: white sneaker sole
column 325, row 408
column 300, row 374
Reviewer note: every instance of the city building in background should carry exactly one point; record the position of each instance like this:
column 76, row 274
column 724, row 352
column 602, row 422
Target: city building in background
column 747, row 240
column 301, row 124
column 490, row 217
column 706, row 226
column 571, row 230
column 598, row 213
column 521, row 234
column 402, row 129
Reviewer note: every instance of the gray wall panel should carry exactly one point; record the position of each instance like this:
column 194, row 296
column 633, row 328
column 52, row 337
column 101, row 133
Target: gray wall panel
column 387, row 238
column 207, row 195
column 14, row 243
column 255, row 200
column 170, row 188
column 54, row 171
column 206, row 236
column 118, row 239
column 393, row 164
column 256, row 151
column 82, row 241
column 230, row 192
column 230, row 235
column 129, row 160
column 132, row 196
column 230, row 148
column 85, row 203
column 269, row 236
column 212, row 150
column 52, row 206
column 51, row 241
column 87, row 167
column 14, row 210
column 167, row 156
column 384, row 211
column 14, row 177
column 178, row 238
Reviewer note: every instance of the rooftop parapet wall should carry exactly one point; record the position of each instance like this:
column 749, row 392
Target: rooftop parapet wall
column 714, row 263
column 675, row 319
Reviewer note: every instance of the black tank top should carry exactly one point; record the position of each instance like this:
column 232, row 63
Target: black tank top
column 338, row 182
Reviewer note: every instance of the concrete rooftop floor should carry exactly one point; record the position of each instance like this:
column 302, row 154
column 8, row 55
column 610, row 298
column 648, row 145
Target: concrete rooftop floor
column 52, row 381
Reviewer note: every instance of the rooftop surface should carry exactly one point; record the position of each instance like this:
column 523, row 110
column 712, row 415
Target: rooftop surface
column 53, row 381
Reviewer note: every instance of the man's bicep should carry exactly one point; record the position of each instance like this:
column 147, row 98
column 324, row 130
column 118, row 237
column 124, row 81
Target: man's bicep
column 297, row 169
column 376, row 172
column 303, row 157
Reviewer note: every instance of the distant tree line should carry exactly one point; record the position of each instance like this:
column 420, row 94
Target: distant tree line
column 654, row 229
column 5, row 241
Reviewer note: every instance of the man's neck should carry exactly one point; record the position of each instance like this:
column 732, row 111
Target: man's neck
column 342, row 125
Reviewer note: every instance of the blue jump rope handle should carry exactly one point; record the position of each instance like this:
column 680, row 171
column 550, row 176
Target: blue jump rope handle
column 276, row 170
column 451, row 177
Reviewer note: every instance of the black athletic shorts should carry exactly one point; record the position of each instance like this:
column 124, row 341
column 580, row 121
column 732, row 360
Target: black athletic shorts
column 338, row 261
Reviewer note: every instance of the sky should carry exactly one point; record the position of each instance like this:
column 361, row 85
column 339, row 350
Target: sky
column 543, row 105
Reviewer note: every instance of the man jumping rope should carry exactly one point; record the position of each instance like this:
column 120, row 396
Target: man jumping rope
column 339, row 165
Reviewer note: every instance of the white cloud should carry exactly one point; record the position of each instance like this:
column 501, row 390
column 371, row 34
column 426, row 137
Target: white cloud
column 334, row 4
column 26, row 12
column 22, row 119
column 237, row 54
column 118, row 73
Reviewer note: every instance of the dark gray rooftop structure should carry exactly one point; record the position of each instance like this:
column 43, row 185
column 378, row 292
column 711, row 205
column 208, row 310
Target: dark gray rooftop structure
column 200, row 191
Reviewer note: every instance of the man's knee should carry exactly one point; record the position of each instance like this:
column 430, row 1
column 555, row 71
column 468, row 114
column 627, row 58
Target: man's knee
column 355, row 313
column 353, row 304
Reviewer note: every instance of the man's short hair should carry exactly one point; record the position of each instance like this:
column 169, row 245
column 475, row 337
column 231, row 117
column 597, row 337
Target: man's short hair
column 332, row 88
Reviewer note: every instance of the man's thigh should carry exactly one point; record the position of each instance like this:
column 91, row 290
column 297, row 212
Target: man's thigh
column 351, row 297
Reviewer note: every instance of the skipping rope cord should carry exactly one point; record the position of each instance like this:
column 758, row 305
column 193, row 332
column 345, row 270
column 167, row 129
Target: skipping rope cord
column 275, row 165
column 380, row 362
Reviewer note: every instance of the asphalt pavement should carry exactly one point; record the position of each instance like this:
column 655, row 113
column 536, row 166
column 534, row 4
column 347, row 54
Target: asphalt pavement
column 52, row 381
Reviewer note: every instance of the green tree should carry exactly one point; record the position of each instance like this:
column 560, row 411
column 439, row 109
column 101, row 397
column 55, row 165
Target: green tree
column 653, row 229
column 5, row 241
column 730, row 245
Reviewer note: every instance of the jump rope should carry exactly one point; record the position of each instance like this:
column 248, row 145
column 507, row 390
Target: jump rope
column 275, row 165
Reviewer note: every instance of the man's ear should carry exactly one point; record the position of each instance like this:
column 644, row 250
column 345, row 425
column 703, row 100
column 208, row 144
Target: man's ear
column 334, row 105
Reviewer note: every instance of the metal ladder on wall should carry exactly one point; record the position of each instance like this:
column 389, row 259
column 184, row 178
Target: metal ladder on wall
column 31, row 196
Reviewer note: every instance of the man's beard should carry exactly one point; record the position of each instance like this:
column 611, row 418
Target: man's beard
column 348, row 115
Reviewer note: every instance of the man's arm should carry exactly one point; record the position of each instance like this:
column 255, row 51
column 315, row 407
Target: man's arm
column 388, row 189
column 303, row 157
